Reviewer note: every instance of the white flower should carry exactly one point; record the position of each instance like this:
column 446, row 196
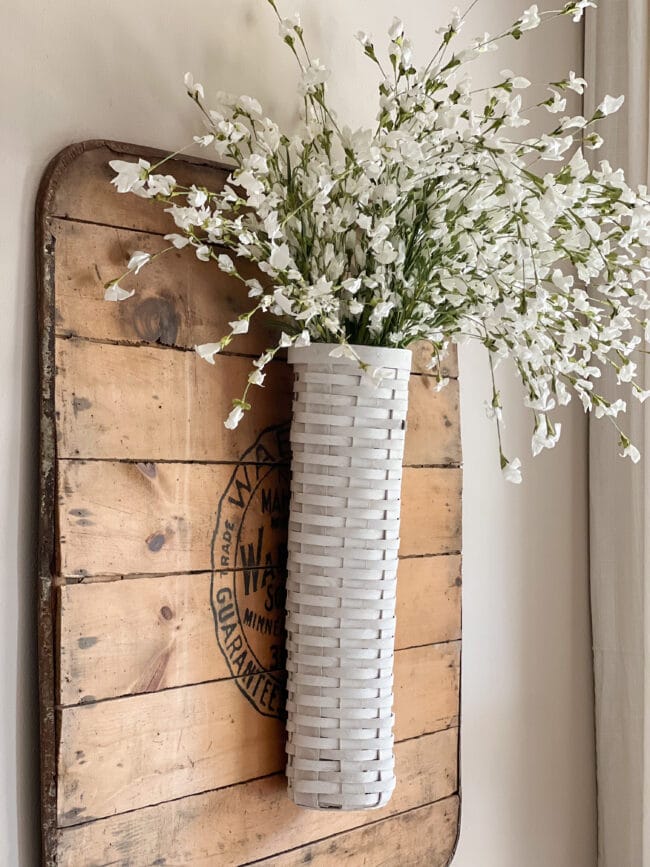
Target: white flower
column 610, row 105
column 441, row 383
column 517, row 81
column 627, row 372
column 250, row 182
column 197, row 198
column 280, row 257
column 313, row 77
column 239, row 326
column 352, row 285
column 204, row 140
column 381, row 311
column 578, row 8
column 512, row 471
column 160, row 185
column 364, row 38
column 288, row 26
column 254, row 288
column 226, row 264
column 344, row 350
column 250, row 105
column 236, row 415
column 545, row 437
column 130, row 177
column 138, row 260
column 207, row 351
column 630, row 451
column 193, row 88
column 557, row 104
column 396, row 30
column 203, row 253
column 114, row 292
column 285, row 341
column 257, row 378
column 374, row 376
column 303, row 339
column 575, row 83
column 530, row 19
column 178, row 241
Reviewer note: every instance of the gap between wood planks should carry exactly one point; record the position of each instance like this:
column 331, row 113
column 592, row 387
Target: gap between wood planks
column 270, row 858
column 452, row 726
column 272, row 671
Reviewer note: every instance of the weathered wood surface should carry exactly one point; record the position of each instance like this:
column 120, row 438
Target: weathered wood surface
column 154, row 392
column 243, row 823
column 122, row 638
column 127, row 753
column 164, row 513
column 423, row 836
column 161, row 743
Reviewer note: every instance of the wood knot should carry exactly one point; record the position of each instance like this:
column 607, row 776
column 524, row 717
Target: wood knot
column 155, row 541
column 166, row 612
column 156, row 320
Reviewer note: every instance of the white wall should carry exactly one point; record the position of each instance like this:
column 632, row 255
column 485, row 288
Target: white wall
column 80, row 69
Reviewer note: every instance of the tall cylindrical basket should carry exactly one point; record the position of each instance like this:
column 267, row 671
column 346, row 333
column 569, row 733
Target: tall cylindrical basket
column 347, row 439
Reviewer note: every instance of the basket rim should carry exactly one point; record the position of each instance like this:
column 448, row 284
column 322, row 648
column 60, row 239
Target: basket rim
column 376, row 356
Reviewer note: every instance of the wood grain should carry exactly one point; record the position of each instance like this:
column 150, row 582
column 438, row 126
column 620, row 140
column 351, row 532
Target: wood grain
column 128, row 518
column 128, row 753
column 178, row 300
column 425, row 836
column 124, row 518
column 253, row 820
column 146, row 403
column 149, row 404
column 150, row 633
column 87, row 193
column 431, row 511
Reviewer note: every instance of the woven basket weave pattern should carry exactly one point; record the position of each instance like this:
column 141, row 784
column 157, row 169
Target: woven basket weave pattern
column 347, row 439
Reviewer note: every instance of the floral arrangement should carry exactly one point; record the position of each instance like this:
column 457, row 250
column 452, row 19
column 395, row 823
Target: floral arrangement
column 444, row 223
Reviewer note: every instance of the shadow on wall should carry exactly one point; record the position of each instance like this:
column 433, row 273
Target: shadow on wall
column 27, row 714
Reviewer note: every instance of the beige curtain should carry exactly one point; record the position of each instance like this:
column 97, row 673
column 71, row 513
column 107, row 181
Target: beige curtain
column 617, row 61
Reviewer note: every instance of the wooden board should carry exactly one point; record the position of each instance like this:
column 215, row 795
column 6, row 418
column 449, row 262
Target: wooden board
column 161, row 567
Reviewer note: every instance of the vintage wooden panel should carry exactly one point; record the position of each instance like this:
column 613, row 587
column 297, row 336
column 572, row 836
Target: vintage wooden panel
column 164, row 514
column 155, row 391
column 425, row 836
column 158, row 404
column 121, row 638
column 253, row 820
column 126, row 753
column 174, row 301
column 161, row 694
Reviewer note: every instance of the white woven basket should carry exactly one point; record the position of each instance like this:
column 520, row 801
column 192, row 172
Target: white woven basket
column 347, row 438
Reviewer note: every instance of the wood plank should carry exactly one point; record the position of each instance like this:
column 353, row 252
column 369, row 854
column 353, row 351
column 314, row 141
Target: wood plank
column 175, row 296
column 422, row 356
column 428, row 600
column 431, row 511
column 424, row 836
column 126, row 518
column 128, row 753
column 234, row 826
column 427, row 689
column 150, row 633
column 146, row 403
column 178, row 300
column 150, row 404
column 85, row 192
column 432, row 424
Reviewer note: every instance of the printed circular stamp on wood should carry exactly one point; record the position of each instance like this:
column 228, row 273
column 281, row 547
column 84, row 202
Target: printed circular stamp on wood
column 249, row 570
